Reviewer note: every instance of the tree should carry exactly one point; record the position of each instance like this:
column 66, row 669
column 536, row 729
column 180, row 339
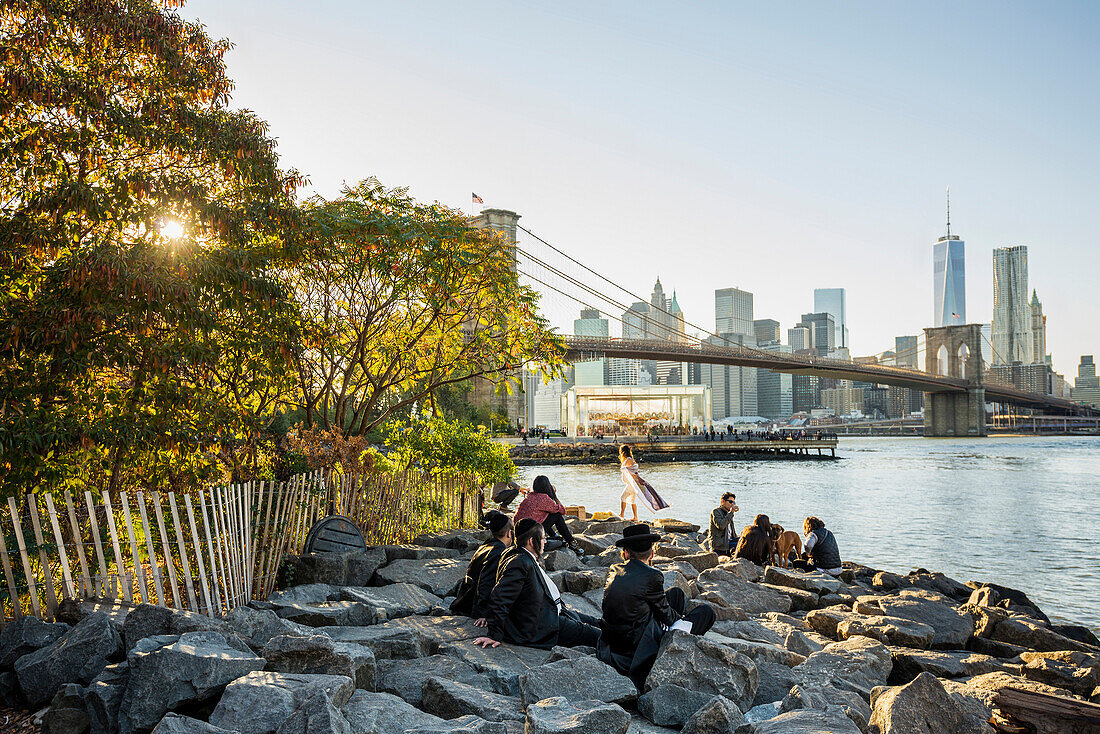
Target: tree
column 143, row 324
column 445, row 447
column 401, row 300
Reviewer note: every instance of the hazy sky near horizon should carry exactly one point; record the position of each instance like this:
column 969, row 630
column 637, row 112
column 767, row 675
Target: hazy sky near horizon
column 773, row 147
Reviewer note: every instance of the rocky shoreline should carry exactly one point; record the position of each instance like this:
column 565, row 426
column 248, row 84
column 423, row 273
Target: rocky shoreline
column 365, row 644
column 608, row 453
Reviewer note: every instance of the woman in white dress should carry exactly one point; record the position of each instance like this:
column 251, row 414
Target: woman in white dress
column 633, row 485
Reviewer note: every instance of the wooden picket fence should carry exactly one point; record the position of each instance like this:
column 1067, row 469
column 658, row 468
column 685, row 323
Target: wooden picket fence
column 207, row 551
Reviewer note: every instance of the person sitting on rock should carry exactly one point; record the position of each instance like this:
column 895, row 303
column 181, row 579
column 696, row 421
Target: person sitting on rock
column 755, row 542
column 525, row 607
column 481, row 574
column 542, row 506
column 637, row 611
column 820, row 551
column 722, row 532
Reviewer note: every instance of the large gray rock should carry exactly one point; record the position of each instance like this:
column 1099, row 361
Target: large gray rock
column 559, row 715
column 702, row 561
column 922, row 705
column 331, row 613
column 801, row 601
column 718, row 716
column 825, row 621
column 671, row 705
column 305, row 593
column 816, row 582
column 319, row 654
column 167, row 671
column 384, row 713
column 177, row 724
column 396, row 600
column 725, row 588
column 25, row 635
column 340, row 569
column 776, row 681
column 751, row 630
column 67, row 714
column 952, row 629
column 317, row 715
column 463, row 725
column 562, row 559
column 1027, row 633
column 743, row 568
column 578, row 582
column 257, row 627
column 1064, row 673
column 824, row 697
column 856, row 664
column 580, row 679
column 405, row 678
column 78, row 656
column 104, row 697
column 581, row 604
column 440, row 576
column 260, row 702
column 699, row 664
column 806, row 721
column 147, row 620
column 414, row 553
column 593, row 543
column 502, row 665
column 460, row 540
column 450, row 699
column 891, row 630
column 909, row 663
column 800, row 643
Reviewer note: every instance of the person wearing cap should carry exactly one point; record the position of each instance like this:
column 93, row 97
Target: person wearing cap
column 637, row 611
column 525, row 607
column 721, row 531
column 481, row 574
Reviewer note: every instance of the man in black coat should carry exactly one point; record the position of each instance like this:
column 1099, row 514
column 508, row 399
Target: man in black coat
column 481, row 574
column 524, row 607
column 637, row 611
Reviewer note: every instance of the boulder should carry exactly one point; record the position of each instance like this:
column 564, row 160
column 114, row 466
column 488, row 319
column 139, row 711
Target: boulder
column 384, row 713
column 460, row 540
column 1078, row 679
column 699, row 664
column 638, row 725
column 723, row 587
column 578, row 582
column 799, row 642
column 1077, row 632
column 450, row 699
column 671, row 705
column 817, row 582
column 581, row 604
column 908, row 664
column 104, row 697
column 891, row 630
column 801, row 601
column 168, row 671
column 331, row 613
column 952, row 628
column 580, row 679
column 257, row 627
column 993, row 648
column 1027, row 633
column 339, row 569
column 748, row 630
column 718, row 716
column 260, row 702
column 78, row 656
column 831, row 720
column 776, row 680
column 440, row 576
column 147, row 620
column 67, row 714
column 856, row 664
column 561, row 716
column 384, row 642
column 824, row 697
column 25, row 635
column 992, row 595
column 464, row 725
column 405, row 678
column 414, row 553
column 595, row 542
column 562, row 560
column 319, row 654
column 758, row 651
column 9, row 690
column 317, row 715
column 306, row 593
column 743, row 568
column 177, row 724
column 673, row 525
column 503, row 665
column 825, row 621
column 921, row 705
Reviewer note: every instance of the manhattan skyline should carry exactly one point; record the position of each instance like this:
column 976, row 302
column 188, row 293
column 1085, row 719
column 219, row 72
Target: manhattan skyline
column 774, row 150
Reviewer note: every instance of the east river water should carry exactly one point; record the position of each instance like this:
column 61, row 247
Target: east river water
column 1021, row 512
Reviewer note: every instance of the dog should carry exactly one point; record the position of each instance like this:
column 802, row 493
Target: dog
column 783, row 542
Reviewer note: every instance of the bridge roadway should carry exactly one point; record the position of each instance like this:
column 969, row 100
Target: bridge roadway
column 579, row 348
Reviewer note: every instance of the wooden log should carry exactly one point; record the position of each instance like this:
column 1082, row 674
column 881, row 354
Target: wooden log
column 21, row 545
column 124, row 580
column 43, row 557
column 86, row 586
column 184, row 562
column 1048, row 713
column 147, row 529
column 68, row 590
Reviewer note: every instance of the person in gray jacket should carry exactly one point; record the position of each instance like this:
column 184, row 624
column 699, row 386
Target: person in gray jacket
column 722, row 533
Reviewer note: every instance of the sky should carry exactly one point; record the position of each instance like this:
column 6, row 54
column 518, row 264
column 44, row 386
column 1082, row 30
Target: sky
column 775, row 147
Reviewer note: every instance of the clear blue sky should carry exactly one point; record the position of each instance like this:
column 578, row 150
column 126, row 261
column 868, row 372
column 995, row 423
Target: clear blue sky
column 774, row 147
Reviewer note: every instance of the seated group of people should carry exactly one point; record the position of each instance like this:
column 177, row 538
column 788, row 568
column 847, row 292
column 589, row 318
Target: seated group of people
column 508, row 593
column 758, row 542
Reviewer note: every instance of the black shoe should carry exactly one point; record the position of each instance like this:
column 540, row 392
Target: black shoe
column 575, row 548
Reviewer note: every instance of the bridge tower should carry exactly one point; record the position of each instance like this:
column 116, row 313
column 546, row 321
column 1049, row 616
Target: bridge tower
column 955, row 351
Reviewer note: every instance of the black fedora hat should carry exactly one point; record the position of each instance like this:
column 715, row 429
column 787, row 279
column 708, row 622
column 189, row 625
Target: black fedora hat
column 637, row 536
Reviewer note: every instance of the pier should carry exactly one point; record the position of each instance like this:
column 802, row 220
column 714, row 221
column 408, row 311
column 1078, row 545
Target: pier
column 668, row 448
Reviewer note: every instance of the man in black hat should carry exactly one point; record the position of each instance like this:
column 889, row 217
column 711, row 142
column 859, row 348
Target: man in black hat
column 481, row 574
column 525, row 607
column 637, row 611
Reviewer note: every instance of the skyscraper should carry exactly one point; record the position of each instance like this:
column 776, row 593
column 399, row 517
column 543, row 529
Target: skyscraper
column 949, row 276
column 1013, row 340
column 732, row 389
column 774, row 390
column 905, row 352
column 1038, row 329
column 824, row 331
column 800, row 338
column 732, row 311
column 1086, row 388
column 831, row 301
column 596, row 371
column 767, row 330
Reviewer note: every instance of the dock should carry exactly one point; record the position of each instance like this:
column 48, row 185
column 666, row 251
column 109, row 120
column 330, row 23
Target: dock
column 665, row 449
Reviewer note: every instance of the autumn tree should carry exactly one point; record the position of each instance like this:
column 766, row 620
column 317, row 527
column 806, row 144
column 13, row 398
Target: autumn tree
column 143, row 226
column 400, row 300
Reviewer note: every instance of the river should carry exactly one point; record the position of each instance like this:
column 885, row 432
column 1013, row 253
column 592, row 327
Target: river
column 1017, row 511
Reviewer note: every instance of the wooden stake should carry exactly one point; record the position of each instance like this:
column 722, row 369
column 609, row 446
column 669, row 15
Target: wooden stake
column 87, row 587
column 68, row 590
column 22, row 546
column 169, row 562
column 154, row 567
column 210, row 612
column 139, row 569
column 43, row 558
column 183, row 553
